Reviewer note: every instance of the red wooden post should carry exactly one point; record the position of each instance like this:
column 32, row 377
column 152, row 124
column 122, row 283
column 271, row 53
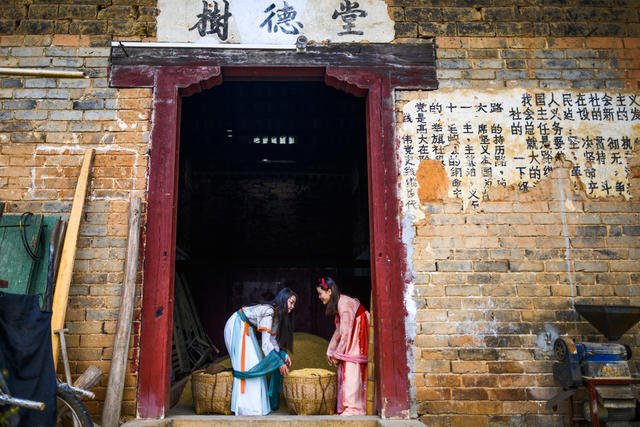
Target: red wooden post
column 157, row 303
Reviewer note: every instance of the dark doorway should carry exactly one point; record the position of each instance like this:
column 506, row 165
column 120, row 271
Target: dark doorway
column 273, row 192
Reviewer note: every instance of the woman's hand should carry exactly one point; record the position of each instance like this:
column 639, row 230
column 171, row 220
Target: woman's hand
column 284, row 370
column 287, row 361
column 332, row 361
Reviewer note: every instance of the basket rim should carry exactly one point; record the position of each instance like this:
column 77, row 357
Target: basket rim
column 204, row 373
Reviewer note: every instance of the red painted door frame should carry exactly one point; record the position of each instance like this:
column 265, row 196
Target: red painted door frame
column 170, row 83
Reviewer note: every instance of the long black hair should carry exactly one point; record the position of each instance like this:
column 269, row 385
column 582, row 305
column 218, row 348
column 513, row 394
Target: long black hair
column 327, row 283
column 285, row 319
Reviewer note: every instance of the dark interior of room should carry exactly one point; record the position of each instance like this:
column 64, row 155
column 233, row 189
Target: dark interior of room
column 273, row 193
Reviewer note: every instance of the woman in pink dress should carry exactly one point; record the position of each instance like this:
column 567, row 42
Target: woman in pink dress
column 348, row 347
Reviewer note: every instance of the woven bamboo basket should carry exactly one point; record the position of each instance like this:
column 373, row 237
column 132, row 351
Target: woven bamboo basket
column 212, row 392
column 311, row 391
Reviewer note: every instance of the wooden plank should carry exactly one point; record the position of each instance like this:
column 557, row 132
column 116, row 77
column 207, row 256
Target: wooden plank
column 63, row 281
column 118, row 369
column 16, row 265
column 354, row 55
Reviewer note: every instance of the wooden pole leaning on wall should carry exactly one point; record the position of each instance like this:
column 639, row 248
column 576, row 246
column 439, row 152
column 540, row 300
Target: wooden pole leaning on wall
column 65, row 270
column 115, row 386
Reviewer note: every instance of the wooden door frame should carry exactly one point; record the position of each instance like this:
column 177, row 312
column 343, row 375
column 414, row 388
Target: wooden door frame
column 388, row 254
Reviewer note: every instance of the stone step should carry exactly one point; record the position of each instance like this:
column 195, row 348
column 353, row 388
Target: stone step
column 272, row 420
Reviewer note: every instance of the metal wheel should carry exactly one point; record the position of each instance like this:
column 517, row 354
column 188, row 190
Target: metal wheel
column 71, row 411
column 561, row 350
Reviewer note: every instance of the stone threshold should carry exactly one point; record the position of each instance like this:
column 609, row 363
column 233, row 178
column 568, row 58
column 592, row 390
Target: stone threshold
column 272, row 420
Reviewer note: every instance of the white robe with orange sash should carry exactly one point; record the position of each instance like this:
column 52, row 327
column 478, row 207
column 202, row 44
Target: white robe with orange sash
column 249, row 396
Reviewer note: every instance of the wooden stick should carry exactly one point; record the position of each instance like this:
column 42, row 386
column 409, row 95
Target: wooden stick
column 63, row 281
column 115, row 387
column 89, row 378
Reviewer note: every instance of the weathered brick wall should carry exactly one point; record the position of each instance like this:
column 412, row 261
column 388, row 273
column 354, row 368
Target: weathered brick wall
column 45, row 125
column 515, row 18
column 490, row 283
column 550, row 63
column 96, row 17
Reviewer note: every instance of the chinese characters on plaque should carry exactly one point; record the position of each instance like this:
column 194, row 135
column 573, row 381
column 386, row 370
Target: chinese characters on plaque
column 274, row 21
column 511, row 138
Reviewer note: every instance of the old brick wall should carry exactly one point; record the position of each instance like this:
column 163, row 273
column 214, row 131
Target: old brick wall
column 490, row 283
column 46, row 124
column 503, row 268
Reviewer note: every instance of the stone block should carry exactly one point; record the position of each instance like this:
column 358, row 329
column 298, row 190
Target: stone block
column 577, row 74
column 30, row 115
column 100, row 115
column 66, row 115
column 43, row 11
column 30, row 93
column 569, row 29
column 77, row 11
column 512, row 74
column 453, row 63
column 26, row 51
column 74, row 83
column 97, row 62
column 476, row 29
column 54, row 104
column 436, row 29
column 67, row 62
column 456, row 14
column 88, row 27
column 12, row 83
column 58, row 94
column 516, row 63
column 23, row 104
column 7, row 26
column 92, row 104
column 117, row 13
column 510, row 29
column 406, row 29
column 454, row 266
column 40, row 83
column 34, row 62
column 484, row 266
column 36, row 26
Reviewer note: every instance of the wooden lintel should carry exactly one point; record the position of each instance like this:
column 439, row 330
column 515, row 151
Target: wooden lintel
column 401, row 60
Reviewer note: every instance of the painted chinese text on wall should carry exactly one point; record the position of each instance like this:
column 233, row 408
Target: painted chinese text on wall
column 511, row 137
column 273, row 21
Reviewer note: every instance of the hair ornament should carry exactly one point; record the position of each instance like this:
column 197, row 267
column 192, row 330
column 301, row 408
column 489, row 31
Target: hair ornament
column 324, row 285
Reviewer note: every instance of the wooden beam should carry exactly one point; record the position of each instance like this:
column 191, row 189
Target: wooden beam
column 115, row 387
column 353, row 55
column 63, row 282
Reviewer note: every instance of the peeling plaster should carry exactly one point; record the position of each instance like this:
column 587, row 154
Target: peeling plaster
column 408, row 234
column 546, row 338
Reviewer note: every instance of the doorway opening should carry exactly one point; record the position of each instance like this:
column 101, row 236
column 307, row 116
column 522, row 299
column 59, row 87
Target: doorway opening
column 273, row 192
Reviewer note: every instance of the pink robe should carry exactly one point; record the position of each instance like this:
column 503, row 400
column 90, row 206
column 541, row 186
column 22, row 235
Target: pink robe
column 349, row 344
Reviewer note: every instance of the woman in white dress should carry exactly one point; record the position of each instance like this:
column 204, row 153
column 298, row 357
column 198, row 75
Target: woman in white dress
column 274, row 321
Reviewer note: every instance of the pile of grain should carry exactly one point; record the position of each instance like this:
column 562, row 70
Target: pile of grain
column 307, row 372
